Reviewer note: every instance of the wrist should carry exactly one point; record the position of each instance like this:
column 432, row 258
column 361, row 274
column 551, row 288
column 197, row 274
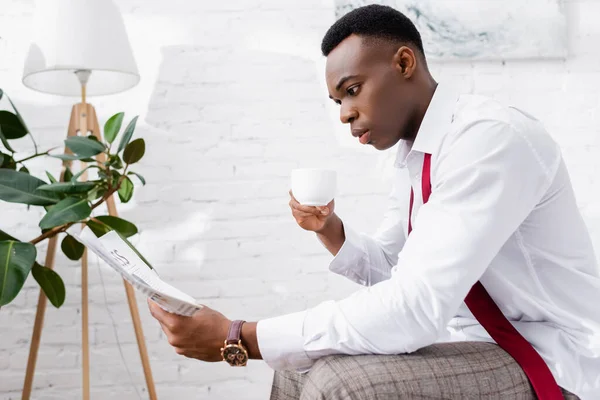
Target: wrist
column 250, row 340
column 331, row 226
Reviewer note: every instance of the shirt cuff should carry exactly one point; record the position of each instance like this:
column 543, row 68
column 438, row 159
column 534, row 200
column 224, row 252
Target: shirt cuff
column 281, row 342
column 351, row 259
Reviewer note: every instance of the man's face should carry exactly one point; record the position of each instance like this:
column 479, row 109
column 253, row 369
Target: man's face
column 374, row 94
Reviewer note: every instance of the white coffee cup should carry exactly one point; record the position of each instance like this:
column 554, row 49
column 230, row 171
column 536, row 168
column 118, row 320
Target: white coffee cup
column 314, row 186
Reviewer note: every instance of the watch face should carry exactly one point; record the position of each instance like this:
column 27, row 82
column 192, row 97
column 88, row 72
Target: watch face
column 235, row 355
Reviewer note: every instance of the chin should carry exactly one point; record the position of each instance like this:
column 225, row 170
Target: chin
column 381, row 146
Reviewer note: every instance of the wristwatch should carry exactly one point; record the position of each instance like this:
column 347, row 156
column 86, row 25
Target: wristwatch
column 234, row 352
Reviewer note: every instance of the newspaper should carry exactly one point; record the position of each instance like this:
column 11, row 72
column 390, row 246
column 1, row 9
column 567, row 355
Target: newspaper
column 121, row 256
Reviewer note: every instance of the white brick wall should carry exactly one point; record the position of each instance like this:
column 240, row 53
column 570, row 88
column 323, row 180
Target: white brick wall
column 231, row 99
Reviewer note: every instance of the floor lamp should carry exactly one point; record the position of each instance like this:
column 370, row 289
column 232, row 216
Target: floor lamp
column 80, row 48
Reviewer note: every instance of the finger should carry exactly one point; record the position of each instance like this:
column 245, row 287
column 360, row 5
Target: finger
column 156, row 311
column 323, row 209
column 294, row 204
column 301, row 214
column 173, row 340
column 308, row 209
column 164, row 317
column 166, row 331
column 292, row 196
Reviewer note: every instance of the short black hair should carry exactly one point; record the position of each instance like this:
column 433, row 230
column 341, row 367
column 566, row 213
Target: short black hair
column 376, row 21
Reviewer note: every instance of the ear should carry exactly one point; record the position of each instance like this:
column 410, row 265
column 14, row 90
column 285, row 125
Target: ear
column 405, row 61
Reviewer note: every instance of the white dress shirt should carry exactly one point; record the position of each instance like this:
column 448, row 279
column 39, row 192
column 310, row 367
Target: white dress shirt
column 503, row 211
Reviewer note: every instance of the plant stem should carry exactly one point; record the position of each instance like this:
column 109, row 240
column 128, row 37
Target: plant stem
column 22, row 122
column 34, row 156
column 34, row 143
column 52, row 232
column 58, row 229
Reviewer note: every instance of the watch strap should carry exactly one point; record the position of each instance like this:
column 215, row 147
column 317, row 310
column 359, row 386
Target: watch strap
column 235, row 332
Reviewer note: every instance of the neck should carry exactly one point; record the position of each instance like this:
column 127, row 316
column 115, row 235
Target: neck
column 428, row 90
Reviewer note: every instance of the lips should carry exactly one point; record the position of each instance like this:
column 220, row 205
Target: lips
column 363, row 135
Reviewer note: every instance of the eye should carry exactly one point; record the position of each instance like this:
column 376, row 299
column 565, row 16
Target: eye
column 353, row 90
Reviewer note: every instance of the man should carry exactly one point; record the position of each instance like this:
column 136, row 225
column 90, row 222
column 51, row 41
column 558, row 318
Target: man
column 482, row 229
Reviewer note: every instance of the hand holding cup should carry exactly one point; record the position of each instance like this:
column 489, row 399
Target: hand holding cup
column 311, row 218
column 313, row 190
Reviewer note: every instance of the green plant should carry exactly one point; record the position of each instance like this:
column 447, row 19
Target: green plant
column 67, row 201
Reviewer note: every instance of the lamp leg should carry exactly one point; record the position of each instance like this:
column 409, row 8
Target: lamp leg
column 85, row 345
column 42, row 300
column 38, row 324
column 139, row 335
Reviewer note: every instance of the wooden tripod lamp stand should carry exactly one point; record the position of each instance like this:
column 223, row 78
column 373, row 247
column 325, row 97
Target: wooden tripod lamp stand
column 81, row 48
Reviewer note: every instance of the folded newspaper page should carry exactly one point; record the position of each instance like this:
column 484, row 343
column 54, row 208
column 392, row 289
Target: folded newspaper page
column 121, row 256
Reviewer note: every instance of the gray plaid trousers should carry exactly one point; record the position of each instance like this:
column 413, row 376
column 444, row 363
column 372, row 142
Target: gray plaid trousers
column 464, row 370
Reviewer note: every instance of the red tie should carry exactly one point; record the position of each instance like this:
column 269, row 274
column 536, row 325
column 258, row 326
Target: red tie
column 495, row 323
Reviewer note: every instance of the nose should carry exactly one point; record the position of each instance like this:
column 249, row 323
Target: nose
column 347, row 114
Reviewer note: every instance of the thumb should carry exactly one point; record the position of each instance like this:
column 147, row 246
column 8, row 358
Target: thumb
column 324, row 210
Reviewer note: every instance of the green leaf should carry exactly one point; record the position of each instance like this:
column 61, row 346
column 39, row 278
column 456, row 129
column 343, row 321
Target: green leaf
column 98, row 228
column 19, row 187
column 116, row 175
column 115, row 162
column 91, row 136
column 120, row 225
column 9, row 163
column 68, row 175
column 68, row 187
column 24, row 169
column 20, row 118
column 96, row 193
column 141, row 178
column 84, row 147
column 12, row 127
column 134, row 151
column 51, row 283
column 127, row 134
column 1, row 159
column 50, row 177
column 5, row 141
column 6, row 236
column 68, row 210
column 113, row 126
column 72, row 248
column 1, row 93
column 126, row 190
column 77, row 175
column 16, row 260
column 71, row 157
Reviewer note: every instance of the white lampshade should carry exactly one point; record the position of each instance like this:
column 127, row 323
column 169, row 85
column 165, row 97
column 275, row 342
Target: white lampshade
column 71, row 35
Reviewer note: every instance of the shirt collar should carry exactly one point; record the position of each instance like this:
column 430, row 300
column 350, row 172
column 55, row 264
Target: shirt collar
column 435, row 124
